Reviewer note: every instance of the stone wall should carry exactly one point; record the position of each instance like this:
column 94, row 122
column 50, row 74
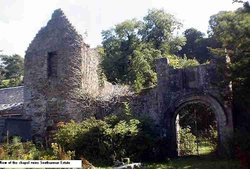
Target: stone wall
column 61, row 80
column 90, row 68
column 53, row 73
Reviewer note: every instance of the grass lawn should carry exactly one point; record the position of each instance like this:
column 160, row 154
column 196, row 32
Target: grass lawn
column 196, row 163
column 193, row 162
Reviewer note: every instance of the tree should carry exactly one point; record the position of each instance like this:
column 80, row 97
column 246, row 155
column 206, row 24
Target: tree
column 13, row 65
column 119, row 44
column 11, row 69
column 197, row 46
column 232, row 29
column 131, row 47
column 159, row 28
column 192, row 37
column 2, row 73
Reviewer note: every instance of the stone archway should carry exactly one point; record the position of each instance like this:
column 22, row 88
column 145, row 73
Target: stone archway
column 223, row 125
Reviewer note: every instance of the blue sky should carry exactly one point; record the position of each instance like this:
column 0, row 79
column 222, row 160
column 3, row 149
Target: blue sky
column 20, row 20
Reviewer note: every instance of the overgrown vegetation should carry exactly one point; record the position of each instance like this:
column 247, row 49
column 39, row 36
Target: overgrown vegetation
column 197, row 132
column 131, row 48
column 231, row 29
column 11, row 70
column 187, row 142
column 16, row 150
column 110, row 139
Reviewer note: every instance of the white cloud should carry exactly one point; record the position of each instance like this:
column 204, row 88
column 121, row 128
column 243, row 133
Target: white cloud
column 20, row 20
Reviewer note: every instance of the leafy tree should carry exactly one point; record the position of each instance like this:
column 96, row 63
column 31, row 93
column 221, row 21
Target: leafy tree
column 192, row 36
column 119, row 44
column 11, row 69
column 159, row 28
column 197, row 46
column 232, row 29
column 131, row 47
column 2, row 73
column 13, row 65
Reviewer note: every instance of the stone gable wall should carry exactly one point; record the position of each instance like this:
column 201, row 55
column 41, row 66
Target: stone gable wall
column 51, row 99
column 74, row 91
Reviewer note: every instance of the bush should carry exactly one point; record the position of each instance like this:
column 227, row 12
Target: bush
column 16, row 150
column 13, row 82
column 187, row 145
column 110, row 139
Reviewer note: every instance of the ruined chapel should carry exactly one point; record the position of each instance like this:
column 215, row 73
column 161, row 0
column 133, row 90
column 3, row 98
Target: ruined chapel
column 61, row 71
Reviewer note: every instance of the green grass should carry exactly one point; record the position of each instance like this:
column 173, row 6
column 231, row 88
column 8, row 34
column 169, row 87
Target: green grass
column 196, row 163
column 205, row 149
column 192, row 162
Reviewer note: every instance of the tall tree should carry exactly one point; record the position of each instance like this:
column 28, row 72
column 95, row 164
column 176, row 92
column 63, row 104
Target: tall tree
column 232, row 29
column 159, row 28
column 131, row 47
column 193, row 36
column 119, row 44
column 197, row 46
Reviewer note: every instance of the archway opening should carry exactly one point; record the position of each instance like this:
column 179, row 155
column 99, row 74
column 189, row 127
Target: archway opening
column 196, row 130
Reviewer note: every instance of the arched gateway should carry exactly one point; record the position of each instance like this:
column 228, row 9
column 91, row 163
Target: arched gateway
column 204, row 84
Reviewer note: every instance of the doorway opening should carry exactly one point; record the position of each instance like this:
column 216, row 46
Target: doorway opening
column 196, row 130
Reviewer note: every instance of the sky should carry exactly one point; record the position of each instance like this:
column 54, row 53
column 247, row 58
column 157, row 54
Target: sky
column 20, row 20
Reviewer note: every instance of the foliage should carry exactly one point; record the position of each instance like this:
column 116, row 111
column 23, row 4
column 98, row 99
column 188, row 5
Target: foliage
column 11, row 70
column 131, row 48
column 178, row 63
column 13, row 66
column 2, row 72
column 13, row 82
column 113, row 138
column 187, row 141
column 200, row 118
column 17, row 150
column 56, row 153
column 200, row 121
column 212, row 137
column 197, row 46
column 232, row 28
column 158, row 29
column 97, row 140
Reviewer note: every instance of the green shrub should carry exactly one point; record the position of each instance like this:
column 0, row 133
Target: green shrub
column 187, row 145
column 13, row 82
column 113, row 138
column 17, row 150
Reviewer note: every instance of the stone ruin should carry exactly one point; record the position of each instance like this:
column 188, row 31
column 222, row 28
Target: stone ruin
column 62, row 83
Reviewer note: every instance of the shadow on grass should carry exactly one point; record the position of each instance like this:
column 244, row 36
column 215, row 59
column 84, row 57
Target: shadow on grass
column 196, row 162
